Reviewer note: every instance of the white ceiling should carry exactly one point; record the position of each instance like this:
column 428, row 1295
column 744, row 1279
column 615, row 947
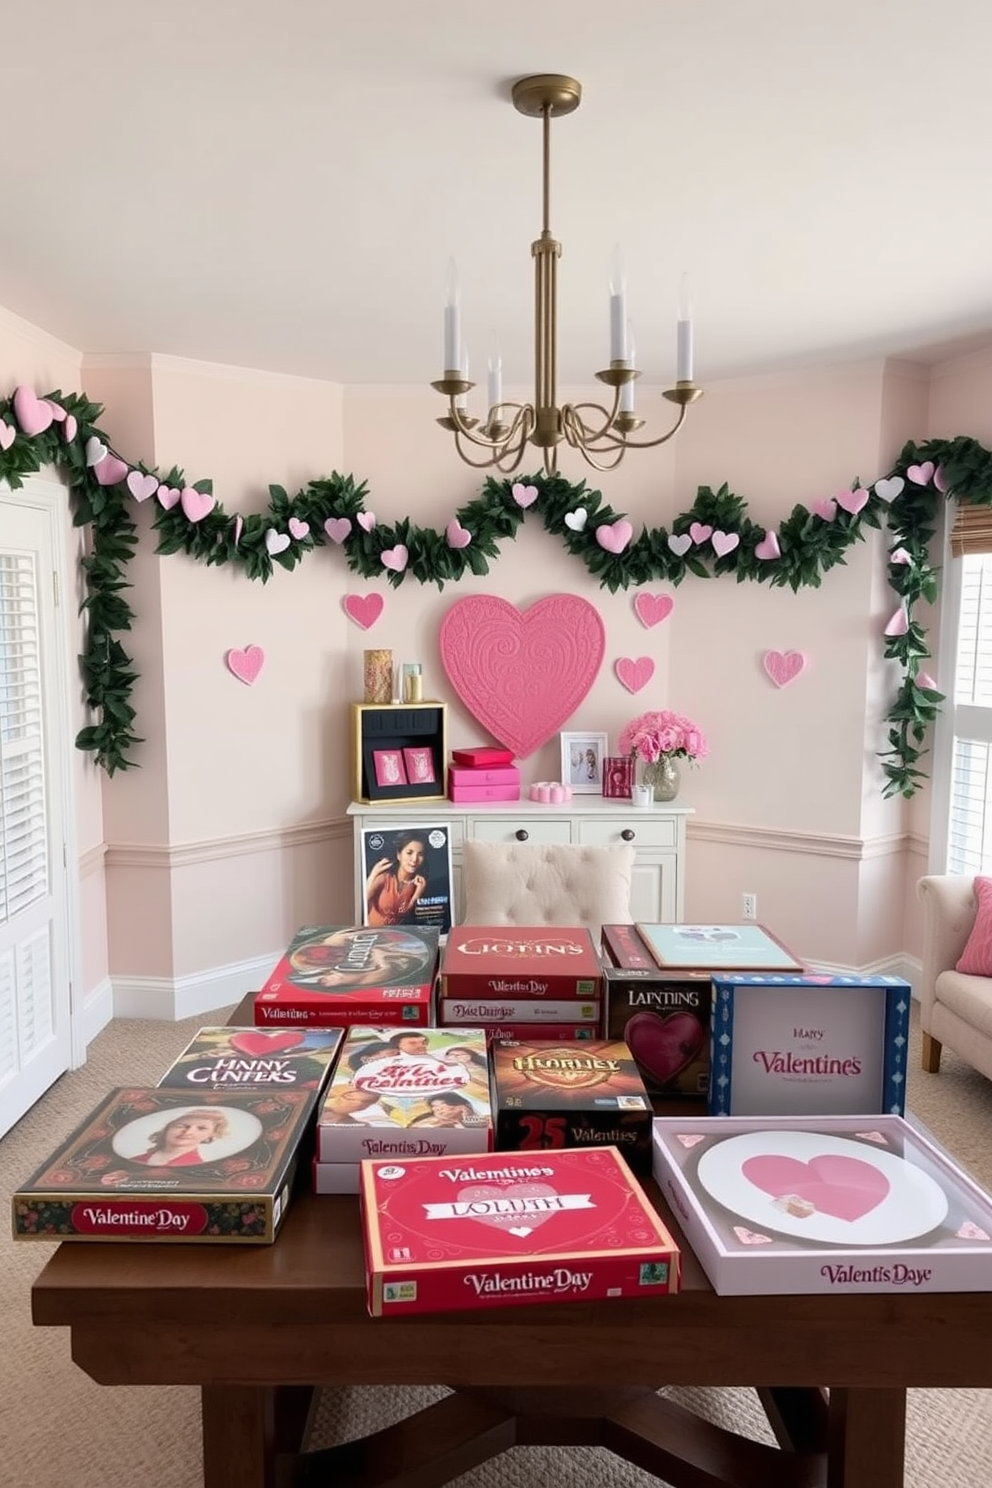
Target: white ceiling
column 280, row 185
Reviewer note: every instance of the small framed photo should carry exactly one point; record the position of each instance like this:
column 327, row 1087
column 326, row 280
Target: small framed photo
column 618, row 776
column 582, row 757
column 419, row 765
column 389, row 769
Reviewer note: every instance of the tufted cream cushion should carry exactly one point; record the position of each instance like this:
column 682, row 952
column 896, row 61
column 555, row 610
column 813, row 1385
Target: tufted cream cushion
column 514, row 883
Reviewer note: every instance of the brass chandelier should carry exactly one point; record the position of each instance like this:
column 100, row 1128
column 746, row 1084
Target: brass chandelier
column 600, row 434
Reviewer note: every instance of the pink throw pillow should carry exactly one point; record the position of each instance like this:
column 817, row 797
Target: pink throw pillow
column 976, row 958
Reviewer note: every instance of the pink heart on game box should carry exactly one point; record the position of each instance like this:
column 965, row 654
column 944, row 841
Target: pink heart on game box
column 255, row 1042
column 843, row 1187
column 246, row 664
column 487, row 1195
column 663, row 1047
column 651, row 609
column 522, row 674
column 364, row 609
column 634, row 674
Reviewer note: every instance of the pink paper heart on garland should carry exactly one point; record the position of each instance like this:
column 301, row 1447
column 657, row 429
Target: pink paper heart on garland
column 457, row 536
column 725, row 542
column 366, row 520
column 337, row 528
column 680, row 544
column 522, row 674
column 196, row 504
column 298, row 528
column 58, row 412
column 364, row 609
column 853, row 501
column 109, row 471
column 31, row 412
column 651, row 609
column 246, row 664
column 783, row 667
column 69, row 428
column 524, row 495
column 940, row 480
column 634, row 674
column 921, row 475
column 824, row 508
column 614, row 536
column 899, row 623
column 141, row 486
column 700, row 532
column 7, row 435
column 396, row 558
column 768, row 547
column 168, row 496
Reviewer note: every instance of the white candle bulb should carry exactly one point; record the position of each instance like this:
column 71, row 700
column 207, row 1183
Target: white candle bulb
column 452, row 317
column 683, row 349
column 495, row 379
column 462, row 365
column 627, row 391
column 618, row 307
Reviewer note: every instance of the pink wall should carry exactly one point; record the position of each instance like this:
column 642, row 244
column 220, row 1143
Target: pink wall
column 231, row 833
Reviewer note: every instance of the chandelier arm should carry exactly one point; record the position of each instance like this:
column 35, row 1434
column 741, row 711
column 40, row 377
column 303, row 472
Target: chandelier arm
column 608, row 417
column 460, row 425
column 601, row 465
column 514, row 462
column 662, row 438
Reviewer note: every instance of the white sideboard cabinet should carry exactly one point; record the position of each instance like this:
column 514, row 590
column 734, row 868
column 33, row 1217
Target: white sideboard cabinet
column 657, row 834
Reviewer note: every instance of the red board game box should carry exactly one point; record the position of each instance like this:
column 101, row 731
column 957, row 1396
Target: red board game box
column 513, row 961
column 664, row 1018
column 335, row 976
column 623, row 946
column 506, row 1229
column 484, row 755
column 549, row 1095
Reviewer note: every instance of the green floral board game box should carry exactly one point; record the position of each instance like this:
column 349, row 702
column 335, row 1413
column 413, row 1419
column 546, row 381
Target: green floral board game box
column 151, row 1163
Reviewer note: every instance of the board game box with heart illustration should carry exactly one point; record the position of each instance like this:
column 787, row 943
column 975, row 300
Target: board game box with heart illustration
column 823, row 1204
column 548, row 1095
column 664, row 1018
column 282, row 1057
column 507, row 1228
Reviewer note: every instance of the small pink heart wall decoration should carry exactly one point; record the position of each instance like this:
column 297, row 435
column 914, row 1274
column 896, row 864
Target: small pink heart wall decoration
column 524, row 495
column 365, row 520
column 141, row 486
column 196, row 504
column 522, row 674
column 853, row 501
column 109, row 471
column 783, row 667
column 58, row 412
column 298, row 528
column 725, row 542
column 651, row 609
column 7, row 435
column 364, row 609
column 921, row 475
column 826, row 509
column 634, row 674
column 456, row 535
column 700, row 532
column 246, row 664
column 168, row 496
column 768, row 547
column 614, row 537
column 395, row 558
column 337, row 528
column 69, row 428
column 899, row 623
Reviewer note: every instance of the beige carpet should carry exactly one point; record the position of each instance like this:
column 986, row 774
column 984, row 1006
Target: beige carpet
column 57, row 1427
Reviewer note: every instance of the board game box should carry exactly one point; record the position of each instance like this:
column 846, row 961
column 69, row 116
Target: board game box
column 152, row 1163
column 284, row 1057
column 452, row 1009
column 406, row 1092
column 823, row 1204
column 338, row 975
column 509, row 1229
column 520, row 962
column 746, row 947
column 571, row 1095
column 808, row 1045
column 622, row 945
column 664, row 1018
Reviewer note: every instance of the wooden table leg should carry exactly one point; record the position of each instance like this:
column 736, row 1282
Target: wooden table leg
column 239, row 1436
column 867, row 1439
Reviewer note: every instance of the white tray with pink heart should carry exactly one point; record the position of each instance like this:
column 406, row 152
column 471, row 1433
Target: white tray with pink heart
column 823, row 1204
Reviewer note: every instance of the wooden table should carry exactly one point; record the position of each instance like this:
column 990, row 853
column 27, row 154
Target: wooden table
column 258, row 1328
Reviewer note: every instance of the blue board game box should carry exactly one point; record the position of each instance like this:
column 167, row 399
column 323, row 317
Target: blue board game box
column 808, row 1045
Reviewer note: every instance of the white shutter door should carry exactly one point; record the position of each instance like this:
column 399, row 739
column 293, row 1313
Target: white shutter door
column 35, row 994
column 969, row 828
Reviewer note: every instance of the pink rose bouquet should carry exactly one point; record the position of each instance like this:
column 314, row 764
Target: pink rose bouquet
column 651, row 735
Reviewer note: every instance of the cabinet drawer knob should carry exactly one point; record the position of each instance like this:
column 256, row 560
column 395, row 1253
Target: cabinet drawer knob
column 627, row 834
column 521, row 834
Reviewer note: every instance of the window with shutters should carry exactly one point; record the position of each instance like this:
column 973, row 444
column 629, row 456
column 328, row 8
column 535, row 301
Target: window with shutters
column 23, row 818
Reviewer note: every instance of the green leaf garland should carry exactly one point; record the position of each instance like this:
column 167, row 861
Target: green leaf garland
column 808, row 546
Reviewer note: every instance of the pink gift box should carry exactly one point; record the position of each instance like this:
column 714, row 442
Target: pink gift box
column 484, row 792
column 499, row 775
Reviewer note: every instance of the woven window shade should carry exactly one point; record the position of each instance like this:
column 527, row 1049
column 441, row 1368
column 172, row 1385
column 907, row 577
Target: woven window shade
column 972, row 530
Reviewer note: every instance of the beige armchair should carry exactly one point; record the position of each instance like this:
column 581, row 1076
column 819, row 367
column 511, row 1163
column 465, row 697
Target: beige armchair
column 955, row 1009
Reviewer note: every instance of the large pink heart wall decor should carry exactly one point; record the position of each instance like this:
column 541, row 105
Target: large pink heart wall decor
column 522, row 674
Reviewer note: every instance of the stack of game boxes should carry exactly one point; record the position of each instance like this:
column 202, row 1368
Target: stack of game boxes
column 529, row 982
column 483, row 775
column 400, row 1093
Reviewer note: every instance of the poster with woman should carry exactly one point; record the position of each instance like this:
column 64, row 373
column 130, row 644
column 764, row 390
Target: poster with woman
column 407, row 876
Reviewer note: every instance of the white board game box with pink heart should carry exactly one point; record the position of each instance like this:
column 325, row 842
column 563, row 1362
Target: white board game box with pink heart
column 501, row 1229
column 823, row 1204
